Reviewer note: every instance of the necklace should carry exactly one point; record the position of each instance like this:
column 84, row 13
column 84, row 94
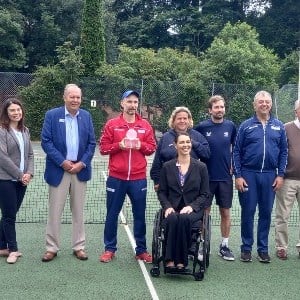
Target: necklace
column 181, row 175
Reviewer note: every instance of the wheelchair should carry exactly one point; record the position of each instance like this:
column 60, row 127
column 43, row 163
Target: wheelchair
column 198, row 253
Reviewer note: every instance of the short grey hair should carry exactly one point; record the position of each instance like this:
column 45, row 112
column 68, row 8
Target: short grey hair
column 297, row 104
column 262, row 93
column 68, row 86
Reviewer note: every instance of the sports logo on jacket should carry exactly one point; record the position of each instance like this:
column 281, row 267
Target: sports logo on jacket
column 275, row 127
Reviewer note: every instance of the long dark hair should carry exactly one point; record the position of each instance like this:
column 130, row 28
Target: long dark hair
column 178, row 134
column 4, row 119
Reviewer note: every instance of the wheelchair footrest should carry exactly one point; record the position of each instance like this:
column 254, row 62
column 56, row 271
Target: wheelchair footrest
column 174, row 270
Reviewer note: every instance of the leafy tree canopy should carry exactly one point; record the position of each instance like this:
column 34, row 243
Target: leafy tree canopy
column 236, row 56
column 279, row 26
column 289, row 68
column 12, row 52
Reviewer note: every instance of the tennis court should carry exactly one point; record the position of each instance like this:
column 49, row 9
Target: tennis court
column 125, row 278
column 69, row 278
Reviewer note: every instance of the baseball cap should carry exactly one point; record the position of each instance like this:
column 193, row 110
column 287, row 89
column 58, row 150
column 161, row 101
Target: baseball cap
column 130, row 92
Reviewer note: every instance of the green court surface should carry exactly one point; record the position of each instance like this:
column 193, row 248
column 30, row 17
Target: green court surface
column 123, row 278
column 68, row 278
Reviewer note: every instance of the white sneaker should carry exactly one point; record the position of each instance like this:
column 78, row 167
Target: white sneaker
column 13, row 257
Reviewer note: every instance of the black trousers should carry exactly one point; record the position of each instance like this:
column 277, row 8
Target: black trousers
column 11, row 198
column 178, row 235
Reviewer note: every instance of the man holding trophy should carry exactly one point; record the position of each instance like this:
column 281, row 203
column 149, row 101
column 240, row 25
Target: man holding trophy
column 127, row 139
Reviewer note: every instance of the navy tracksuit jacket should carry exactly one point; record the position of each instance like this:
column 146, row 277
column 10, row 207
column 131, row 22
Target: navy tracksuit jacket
column 259, row 155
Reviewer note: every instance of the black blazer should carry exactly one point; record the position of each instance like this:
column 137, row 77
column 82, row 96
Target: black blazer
column 194, row 192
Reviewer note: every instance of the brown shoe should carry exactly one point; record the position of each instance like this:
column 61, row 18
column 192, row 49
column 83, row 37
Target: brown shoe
column 48, row 256
column 281, row 254
column 80, row 254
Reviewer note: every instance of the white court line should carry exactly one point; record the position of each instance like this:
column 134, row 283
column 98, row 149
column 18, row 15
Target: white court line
column 133, row 244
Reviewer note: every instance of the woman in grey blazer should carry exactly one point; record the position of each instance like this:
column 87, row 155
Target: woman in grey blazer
column 183, row 194
column 16, row 171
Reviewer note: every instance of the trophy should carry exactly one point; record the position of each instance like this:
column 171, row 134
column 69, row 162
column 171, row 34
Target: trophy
column 131, row 140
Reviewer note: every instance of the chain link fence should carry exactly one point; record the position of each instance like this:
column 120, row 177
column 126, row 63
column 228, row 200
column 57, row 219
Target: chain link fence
column 10, row 83
column 158, row 99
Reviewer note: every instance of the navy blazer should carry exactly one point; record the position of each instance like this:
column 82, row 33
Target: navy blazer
column 54, row 144
column 195, row 191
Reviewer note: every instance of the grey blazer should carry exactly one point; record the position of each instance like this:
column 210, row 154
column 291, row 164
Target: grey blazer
column 10, row 155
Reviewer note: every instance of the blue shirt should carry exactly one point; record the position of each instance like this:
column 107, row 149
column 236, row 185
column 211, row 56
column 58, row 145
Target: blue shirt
column 72, row 138
column 220, row 137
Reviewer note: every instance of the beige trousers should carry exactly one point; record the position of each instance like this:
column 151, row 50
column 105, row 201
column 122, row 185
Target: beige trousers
column 285, row 198
column 57, row 199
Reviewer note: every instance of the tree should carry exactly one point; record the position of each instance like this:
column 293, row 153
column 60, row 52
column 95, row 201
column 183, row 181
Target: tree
column 236, row 56
column 289, row 69
column 178, row 24
column 92, row 36
column 47, row 87
column 169, row 78
column 45, row 26
column 279, row 26
column 12, row 52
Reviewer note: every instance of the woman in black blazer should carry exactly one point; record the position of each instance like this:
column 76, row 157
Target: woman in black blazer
column 183, row 194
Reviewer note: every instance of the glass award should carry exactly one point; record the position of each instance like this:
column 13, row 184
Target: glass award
column 131, row 140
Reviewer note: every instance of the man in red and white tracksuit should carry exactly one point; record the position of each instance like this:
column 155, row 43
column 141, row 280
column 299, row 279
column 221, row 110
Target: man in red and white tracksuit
column 127, row 139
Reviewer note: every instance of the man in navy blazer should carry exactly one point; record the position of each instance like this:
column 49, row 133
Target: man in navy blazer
column 68, row 140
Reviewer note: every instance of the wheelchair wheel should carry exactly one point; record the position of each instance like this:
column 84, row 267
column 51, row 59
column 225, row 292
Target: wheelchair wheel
column 155, row 272
column 206, row 237
column 198, row 276
column 156, row 242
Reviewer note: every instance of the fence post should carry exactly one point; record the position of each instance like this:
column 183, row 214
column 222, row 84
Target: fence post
column 141, row 97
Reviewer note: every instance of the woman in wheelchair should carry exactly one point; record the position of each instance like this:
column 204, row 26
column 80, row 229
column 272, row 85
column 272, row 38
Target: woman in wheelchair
column 183, row 194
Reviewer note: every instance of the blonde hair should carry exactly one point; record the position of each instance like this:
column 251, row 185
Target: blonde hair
column 297, row 104
column 177, row 110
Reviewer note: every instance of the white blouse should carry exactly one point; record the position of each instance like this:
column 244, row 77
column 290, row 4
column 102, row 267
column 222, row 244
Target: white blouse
column 20, row 139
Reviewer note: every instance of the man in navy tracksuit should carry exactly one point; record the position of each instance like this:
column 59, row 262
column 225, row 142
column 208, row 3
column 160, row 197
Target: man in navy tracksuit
column 259, row 161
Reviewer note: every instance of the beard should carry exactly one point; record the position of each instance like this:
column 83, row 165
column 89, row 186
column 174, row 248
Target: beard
column 218, row 116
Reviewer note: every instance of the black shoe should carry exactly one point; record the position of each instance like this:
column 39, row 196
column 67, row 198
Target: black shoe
column 246, row 256
column 263, row 257
column 226, row 253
